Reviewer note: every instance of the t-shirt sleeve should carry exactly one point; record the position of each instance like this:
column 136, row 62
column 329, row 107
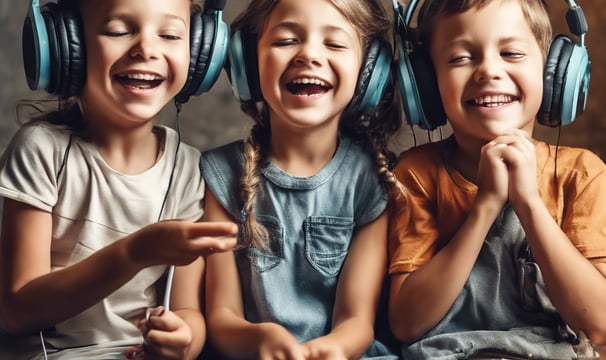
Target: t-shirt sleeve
column 30, row 164
column 584, row 210
column 413, row 231
column 222, row 169
column 372, row 196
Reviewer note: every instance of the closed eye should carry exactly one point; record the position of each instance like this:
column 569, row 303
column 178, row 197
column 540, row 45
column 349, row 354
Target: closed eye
column 171, row 37
column 512, row 54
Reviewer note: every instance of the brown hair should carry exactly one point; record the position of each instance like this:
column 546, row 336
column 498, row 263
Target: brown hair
column 369, row 18
column 536, row 13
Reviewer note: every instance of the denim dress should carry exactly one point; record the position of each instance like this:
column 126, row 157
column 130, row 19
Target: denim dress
column 310, row 221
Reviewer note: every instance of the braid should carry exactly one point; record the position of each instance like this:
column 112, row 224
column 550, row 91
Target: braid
column 383, row 165
column 255, row 234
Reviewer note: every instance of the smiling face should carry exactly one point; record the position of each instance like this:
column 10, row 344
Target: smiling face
column 137, row 58
column 309, row 57
column 489, row 67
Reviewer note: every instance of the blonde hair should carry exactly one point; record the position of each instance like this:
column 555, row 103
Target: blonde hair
column 369, row 18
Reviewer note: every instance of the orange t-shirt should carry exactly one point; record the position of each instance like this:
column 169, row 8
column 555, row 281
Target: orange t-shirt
column 439, row 199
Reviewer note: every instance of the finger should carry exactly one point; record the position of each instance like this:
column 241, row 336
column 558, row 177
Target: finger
column 211, row 245
column 207, row 229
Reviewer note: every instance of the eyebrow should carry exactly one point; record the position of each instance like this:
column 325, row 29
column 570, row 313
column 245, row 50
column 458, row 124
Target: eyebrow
column 290, row 25
column 505, row 40
column 127, row 17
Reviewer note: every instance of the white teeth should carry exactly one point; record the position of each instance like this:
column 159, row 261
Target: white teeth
column 493, row 100
column 306, row 81
column 146, row 77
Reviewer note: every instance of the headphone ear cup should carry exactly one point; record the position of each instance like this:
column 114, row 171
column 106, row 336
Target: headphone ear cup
column 373, row 78
column 242, row 67
column 66, row 51
column 209, row 37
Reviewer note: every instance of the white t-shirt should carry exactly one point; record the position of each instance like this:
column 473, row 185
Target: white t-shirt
column 92, row 206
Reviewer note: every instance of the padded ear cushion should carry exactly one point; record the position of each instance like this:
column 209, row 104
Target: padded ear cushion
column 243, row 68
column 76, row 54
column 419, row 89
column 54, row 52
column 372, row 79
column 53, row 13
column 67, row 51
column 205, row 53
column 196, row 34
column 556, row 66
column 427, row 87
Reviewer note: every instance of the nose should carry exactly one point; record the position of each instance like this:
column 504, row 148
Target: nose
column 309, row 54
column 489, row 68
column 145, row 46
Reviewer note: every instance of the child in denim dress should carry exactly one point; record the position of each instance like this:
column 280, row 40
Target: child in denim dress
column 499, row 250
column 309, row 186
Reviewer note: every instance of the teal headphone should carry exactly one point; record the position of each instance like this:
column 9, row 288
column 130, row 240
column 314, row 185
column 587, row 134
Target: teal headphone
column 374, row 74
column 54, row 54
column 565, row 78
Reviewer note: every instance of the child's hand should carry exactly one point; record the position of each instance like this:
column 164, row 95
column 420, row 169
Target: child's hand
column 166, row 336
column 177, row 242
column 323, row 349
column 493, row 178
column 278, row 343
column 519, row 154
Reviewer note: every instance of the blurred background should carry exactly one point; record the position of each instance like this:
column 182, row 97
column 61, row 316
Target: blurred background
column 215, row 118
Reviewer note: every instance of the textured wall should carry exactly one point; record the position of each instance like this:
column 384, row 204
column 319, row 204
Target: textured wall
column 214, row 118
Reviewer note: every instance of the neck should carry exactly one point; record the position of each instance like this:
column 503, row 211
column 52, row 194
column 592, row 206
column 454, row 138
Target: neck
column 303, row 155
column 129, row 151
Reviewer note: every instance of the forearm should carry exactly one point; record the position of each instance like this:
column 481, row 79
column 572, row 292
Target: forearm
column 238, row 338
column 59, row 295
column 354, row 336
column 575, row 286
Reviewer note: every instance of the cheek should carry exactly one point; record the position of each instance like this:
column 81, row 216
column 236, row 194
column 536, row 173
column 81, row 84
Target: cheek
column 270, row 69
column 181, row 64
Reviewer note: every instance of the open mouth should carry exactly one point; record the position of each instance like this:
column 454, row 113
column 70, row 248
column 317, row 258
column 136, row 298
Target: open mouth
column 308, row 87
column 493, row 101
column 140, row 81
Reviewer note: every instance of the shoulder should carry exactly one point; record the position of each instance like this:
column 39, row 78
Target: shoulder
column 573, row 162
column 39, row 142
column 41, row 134
column 423, row 159
column 228, row 156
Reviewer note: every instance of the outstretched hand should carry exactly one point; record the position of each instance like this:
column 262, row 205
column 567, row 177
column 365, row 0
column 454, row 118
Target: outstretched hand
column 175, row 242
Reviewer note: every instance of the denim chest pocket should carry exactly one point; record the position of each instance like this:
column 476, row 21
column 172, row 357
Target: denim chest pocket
column 266, row 259
column 327, row 242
